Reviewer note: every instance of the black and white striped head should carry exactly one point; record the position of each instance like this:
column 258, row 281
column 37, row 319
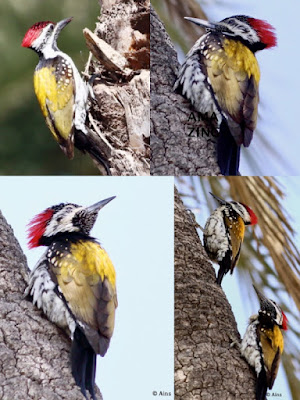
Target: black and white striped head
column 269, row 310
column 63, row 218
column 245, row 212
column 254, row 33
column 42, row 36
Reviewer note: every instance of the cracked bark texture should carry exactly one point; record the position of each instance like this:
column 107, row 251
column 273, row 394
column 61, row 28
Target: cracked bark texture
column 119, row 116
column 206, row 367
column 34, row 353
column 178, row 144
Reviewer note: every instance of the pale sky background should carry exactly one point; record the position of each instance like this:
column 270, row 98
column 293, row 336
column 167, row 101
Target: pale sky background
column 239, row 300
column 136, row 229
column 279, row 85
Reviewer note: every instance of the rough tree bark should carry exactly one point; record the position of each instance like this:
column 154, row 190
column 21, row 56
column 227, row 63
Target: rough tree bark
column 119, row 115
column 34, row 353
column 206, row 367
column 179, row 145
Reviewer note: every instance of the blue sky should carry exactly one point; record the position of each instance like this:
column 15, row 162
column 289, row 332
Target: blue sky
column 136, row 229
column 279, row 86
column 239, row 300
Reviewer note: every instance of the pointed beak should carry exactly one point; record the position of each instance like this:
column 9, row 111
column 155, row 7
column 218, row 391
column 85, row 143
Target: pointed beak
column 97, row 206
column 221, row 201
column 61, row 24
column 202, row 22
column 262, row 298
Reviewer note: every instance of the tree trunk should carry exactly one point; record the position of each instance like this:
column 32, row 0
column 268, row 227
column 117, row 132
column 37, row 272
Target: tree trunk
column 206, row 367
column 182, row 141
column 119, row 115
column 34, row 353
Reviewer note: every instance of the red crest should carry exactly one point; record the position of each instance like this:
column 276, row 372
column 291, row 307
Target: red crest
column 265, row 31
column 284, row 321
column 34, row 32
column 37, row 227
column 253, row 217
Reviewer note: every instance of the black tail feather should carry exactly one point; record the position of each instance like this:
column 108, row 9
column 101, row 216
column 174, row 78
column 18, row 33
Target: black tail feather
column 228, row 152
column 90, row 373
column 85, row 143
column 83, row 363
column 220, row 276
column 225, row 265
column 261, row 385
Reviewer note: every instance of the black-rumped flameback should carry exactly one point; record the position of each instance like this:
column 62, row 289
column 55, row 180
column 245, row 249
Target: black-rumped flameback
column 74, row 283
column 221, row 75
column 224, row 234
column 58, row 86
column 263, row 343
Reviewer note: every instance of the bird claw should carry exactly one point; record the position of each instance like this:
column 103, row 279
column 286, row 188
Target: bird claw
column 234, row 342
column 193, row 220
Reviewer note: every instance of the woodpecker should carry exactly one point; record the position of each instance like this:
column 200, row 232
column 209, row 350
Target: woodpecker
column 74, row 283
column 60, row 90
column 224, row 234
column 220, row 77
column 263, row 343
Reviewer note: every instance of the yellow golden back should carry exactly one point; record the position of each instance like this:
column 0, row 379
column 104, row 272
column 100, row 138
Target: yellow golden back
column 230, row 72
column 87, row 279
column 272, row 346
column 56, row 99
column 236, row 229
